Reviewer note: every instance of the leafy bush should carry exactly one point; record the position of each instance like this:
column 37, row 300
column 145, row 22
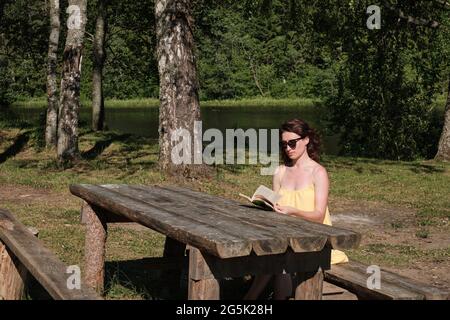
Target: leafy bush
column 385, row 87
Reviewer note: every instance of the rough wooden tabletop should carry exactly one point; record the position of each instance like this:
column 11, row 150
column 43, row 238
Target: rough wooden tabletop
column 222, row 227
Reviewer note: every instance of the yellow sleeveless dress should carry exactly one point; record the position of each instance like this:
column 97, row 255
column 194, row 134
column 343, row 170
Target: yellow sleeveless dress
column 303, row 199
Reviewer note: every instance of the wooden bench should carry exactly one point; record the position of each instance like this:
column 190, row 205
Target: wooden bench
column 353, row 277
column 225, row 237
column 21, row 253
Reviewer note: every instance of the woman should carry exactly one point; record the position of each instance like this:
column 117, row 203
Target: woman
column 303, row 184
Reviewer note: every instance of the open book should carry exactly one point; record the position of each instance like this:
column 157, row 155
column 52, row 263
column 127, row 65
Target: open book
column 263, row 197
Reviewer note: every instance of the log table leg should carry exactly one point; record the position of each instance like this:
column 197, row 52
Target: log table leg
column 203, row 289
column 309, row 285
column 96, row 233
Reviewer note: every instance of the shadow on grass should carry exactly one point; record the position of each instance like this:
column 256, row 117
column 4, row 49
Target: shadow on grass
column 359, row 165
column 157, row 279
column 96, row 150
column 147, row 278
column 131, row 143
column 17, row 146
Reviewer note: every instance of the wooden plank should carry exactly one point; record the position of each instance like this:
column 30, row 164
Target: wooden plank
column 165, row 221
column 354, row 279
column 390, row 279
column 263, row 241
column 46, row 268
column 309, row 285
column 332, row 292
column 289, row 261
column 300, row 240
column 204, row 288
column 337, row 238
column 94, row 249
column 13, row 274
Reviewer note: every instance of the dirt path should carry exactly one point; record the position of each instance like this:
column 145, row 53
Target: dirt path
column 391, row 227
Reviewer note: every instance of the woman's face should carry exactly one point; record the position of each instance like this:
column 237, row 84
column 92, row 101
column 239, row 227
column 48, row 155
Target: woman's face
column 299, row 145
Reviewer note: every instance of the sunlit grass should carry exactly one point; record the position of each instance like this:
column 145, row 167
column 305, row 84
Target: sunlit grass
column 154, row 103
column 262, row 102
column 397, row 255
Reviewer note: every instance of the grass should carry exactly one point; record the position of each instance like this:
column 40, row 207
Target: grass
column 85, row 102
column 154, row 103
column 422, row 186
column 40, row 102
column 397, row 255
column 262, row 102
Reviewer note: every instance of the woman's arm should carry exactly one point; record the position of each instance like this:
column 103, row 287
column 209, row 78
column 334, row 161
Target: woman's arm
column 321, row 186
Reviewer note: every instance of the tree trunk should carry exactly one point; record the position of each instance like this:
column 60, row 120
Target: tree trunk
column 51, row 127
column 444, row 142
column 98, row 107
column 70, row 82
column 179, row 103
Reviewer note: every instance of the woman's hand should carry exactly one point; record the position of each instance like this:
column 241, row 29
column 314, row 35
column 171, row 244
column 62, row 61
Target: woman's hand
column 285, row 209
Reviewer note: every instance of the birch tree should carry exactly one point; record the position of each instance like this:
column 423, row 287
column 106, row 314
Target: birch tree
column 179, row 102
column 51, row 127
column 98, row 105
column 70, row 82
column 444, row 142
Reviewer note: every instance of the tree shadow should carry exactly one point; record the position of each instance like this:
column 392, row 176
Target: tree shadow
column 424, row 168
column 162, row 279
column 150, row 278
column 356, row 164
column 17, row 146
column 131, row 143
column 97, row 149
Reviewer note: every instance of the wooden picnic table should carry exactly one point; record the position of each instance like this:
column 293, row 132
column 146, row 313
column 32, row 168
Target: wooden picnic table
column 225, row 238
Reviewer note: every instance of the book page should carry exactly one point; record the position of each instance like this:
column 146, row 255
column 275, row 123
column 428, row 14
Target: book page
column 246, row 197
column 265, row 193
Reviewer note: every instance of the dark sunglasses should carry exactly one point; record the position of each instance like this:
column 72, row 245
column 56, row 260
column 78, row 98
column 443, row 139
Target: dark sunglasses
column 291, row 143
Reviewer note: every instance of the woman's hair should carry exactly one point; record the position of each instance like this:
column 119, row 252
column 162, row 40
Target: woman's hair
column 301, row 128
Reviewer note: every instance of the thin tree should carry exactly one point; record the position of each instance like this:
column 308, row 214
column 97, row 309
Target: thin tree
column 444, row 142
column 70, row 82
column 98, row 106
column 51, row 127
column 179, row 102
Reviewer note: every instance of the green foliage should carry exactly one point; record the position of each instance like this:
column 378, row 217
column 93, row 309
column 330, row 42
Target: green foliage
column 385, row 86
column 130, row 69
column 263, row 48
column 23, row 44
